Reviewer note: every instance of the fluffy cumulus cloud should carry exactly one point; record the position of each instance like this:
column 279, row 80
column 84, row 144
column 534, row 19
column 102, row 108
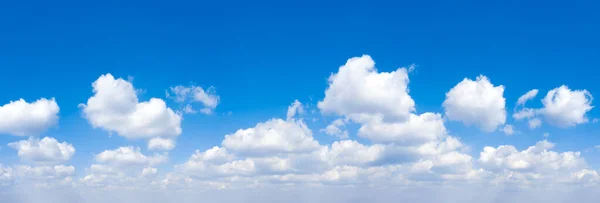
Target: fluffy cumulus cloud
column 536, row 164
column 158, row 143
column 195, row 94
column 478, row 103
column 115, row 107
column 281, row 151
column 359, row 92
column 45, row 151
column 21, row 118
column 563, row 108
column 536, row 158
column 272, row 136
column 417, row 129
column 124, row 167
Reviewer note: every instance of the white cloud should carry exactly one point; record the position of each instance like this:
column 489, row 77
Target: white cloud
column 535, row 123
column 524, row 113
column 536, row 159
column 188, row 109
column 158, row 143
column 6, row 175
column 527, row 96
column 508, row 129
column 59, row 171
column 217, row 155
column 149, row 171
column 28, row 119
column 208, row 98
column 478, row 103
column 37, row 177
column 350, row 152
column 132, row 178
column 358, row 91
column 402, row 150
column 334, row 129
column 273, row 136
column 416, row 130
column 294, row 108
column 44, row 151
column 128, row 157
column 564, row 107
column 115, row 108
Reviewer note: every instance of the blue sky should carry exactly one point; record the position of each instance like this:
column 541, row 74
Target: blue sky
column 262, row 56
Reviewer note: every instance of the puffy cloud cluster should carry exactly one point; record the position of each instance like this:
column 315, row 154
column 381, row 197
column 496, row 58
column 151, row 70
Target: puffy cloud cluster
column 123, row 167
column 21, row 118
column 563, row 107
column 417, row 129
column 45, row 151
column 37, row 176
column 397, row 146
column 359, row 92
column 272, row 137
column 536, row 158
column 406, row 147
column 478, row 103
column 115, row 108
column 536, row 164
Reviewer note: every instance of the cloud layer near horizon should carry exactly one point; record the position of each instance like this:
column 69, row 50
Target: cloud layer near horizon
column 397, row 146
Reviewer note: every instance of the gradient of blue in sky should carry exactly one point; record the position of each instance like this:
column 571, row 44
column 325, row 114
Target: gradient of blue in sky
column 261, row 56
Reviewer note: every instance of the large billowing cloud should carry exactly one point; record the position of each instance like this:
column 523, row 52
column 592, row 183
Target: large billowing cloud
column 115, row 108
column 478, row 103
column 45, row 151
column 28, row 119
column 359, row 92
